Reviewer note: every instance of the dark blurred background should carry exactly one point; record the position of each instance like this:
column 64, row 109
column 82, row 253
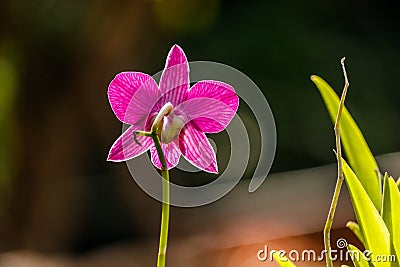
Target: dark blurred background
column 58, row 193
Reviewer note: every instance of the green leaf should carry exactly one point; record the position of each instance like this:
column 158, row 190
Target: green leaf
column 355, row 228
column 391, row 212
column 354, row 144
column 386, row 205
column 384, row 181
column 357, row 257
column 373, row 228
column 282, row 260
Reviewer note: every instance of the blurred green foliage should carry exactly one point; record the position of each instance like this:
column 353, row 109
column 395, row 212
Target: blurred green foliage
column 8, row 93
column 187, row 17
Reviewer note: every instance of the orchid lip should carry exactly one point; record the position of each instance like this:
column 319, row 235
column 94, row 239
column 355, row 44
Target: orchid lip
column 164, row 111
column 172, row 126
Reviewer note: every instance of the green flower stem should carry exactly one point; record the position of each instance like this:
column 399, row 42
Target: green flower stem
column 340, row 179
column 162, row 249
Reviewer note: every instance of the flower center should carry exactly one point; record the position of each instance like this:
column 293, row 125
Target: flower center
column 172, row 126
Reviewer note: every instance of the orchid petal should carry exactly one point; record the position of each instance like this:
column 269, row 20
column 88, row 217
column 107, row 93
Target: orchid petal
column 132, row 96
column 125, row 147
column 208, row 114
column 212, row 116
column 196, row 148
column 171, row 154
column 174, row 83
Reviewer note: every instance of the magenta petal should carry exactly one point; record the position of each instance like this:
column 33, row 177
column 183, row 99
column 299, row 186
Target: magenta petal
column 211, row 113
column 217, row 115
column 216, row 90
column 174, row 83
column 171, row 154
column 175, row 56
column 126, row 148
column 208, row 114
column 196, row 148
column 132, row 95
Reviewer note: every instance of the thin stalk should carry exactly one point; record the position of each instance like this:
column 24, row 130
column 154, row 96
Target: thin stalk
column 154, row 134
column 340, row 178
column 162, row 249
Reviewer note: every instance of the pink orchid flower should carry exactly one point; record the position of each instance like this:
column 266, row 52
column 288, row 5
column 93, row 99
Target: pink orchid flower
column 207, row 107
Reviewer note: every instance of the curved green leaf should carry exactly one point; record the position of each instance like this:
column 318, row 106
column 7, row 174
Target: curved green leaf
column 384, row 185
column 355, row 228
column 373, row 228
column 357, row 151
column 357, row 256
column 391, row 213
column 282, row 260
